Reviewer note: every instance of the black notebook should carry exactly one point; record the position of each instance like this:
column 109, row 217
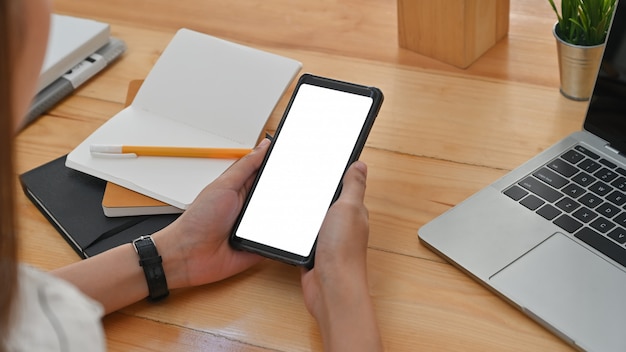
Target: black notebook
column 72, row 202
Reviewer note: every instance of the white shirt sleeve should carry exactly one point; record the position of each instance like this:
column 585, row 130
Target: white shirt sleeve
column 52, row 315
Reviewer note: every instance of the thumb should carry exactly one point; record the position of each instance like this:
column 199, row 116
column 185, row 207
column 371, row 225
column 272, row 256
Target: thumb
column 354, row 183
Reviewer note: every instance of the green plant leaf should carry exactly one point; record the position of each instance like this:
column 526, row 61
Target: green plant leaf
column 583, row 22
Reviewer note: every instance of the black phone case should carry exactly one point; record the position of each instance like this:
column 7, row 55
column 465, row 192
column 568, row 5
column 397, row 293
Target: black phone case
column 288, row 257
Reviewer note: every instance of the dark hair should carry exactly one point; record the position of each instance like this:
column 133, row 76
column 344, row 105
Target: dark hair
column 8, row 240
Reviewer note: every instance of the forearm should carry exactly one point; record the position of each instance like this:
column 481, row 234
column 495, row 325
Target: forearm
column 349, row 322
column 359, row 333
column 113, row 278
column 194, row 249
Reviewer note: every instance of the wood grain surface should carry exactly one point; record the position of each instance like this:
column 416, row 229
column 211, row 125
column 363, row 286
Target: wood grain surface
column 442, row 134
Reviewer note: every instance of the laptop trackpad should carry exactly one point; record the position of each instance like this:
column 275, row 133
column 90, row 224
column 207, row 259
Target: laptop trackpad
column 571, row 291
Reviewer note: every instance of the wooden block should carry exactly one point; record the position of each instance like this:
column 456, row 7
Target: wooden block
column 453, row 31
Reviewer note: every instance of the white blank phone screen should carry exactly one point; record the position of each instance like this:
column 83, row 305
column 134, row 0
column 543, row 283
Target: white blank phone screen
column 304, row 169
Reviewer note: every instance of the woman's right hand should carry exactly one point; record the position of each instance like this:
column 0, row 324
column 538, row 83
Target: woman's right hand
column 336, row 290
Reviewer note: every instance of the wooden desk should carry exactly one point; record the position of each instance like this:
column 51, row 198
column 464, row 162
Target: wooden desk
column 442, row 134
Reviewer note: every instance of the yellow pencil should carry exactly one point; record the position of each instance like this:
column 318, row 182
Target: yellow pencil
column 114, row 151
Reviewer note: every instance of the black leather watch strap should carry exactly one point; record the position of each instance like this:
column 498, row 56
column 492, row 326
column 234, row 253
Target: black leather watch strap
column 150, row 261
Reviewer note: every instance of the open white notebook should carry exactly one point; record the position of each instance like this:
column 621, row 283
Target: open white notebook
column 202, row 92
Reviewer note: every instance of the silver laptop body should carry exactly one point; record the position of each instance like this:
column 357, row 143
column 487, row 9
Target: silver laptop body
column 537, row 236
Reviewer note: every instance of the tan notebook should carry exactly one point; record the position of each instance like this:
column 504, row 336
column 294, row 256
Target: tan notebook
column 119, row 201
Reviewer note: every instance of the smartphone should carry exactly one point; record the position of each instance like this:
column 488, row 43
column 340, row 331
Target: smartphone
column 323, row 130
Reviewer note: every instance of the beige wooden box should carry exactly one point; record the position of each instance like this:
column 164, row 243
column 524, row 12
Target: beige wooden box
column 453, row 31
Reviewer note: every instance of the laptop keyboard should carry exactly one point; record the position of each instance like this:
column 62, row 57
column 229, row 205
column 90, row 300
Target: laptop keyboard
column 583, row 194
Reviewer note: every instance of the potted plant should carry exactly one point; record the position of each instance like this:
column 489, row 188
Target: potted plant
column 580, row 34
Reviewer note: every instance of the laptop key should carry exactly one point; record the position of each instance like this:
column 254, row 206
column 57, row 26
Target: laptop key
column 590, row 200
column 573, row 190
column 621, row 219
column 607, row 163
column 602, row 224
column 568, row 223
column 567, row 204
column 618, row 234
column 548, row 212
column 585, row 214
column 531, row 202
column 550, row 177
column 515, row 192
column 563, row 167
column 590, row 165
column 608, row 210
column 587, row 152
column 600, row 188
column 583, row 179
column 616, row 197
column 602, row 244
column 540, row 189
column 620, row 183
column 573, row 156
column 605, row 175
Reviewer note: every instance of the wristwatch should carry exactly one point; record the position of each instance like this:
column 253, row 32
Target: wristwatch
column 151, row 262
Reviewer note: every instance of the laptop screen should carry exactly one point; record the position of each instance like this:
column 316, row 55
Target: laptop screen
column 606, row 116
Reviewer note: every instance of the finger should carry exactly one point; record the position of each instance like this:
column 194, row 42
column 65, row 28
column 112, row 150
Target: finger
column 244, row 168
column 354, row 182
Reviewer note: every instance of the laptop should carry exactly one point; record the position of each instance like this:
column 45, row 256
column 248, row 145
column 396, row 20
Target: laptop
column 550, row 236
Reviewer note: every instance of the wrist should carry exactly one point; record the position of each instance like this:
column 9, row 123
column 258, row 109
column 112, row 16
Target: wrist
column 346, row 317
column 151, row 263
column 174, row 264
column 342, row 301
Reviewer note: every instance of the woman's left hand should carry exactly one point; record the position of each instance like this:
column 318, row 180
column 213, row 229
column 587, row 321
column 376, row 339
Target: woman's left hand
column 195, row 248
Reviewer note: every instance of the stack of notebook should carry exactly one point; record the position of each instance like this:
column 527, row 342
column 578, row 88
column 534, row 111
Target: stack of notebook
column 74, row 203
column 202, row 92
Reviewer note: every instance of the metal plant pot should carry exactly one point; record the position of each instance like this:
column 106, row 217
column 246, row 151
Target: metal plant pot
column 578, row 68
